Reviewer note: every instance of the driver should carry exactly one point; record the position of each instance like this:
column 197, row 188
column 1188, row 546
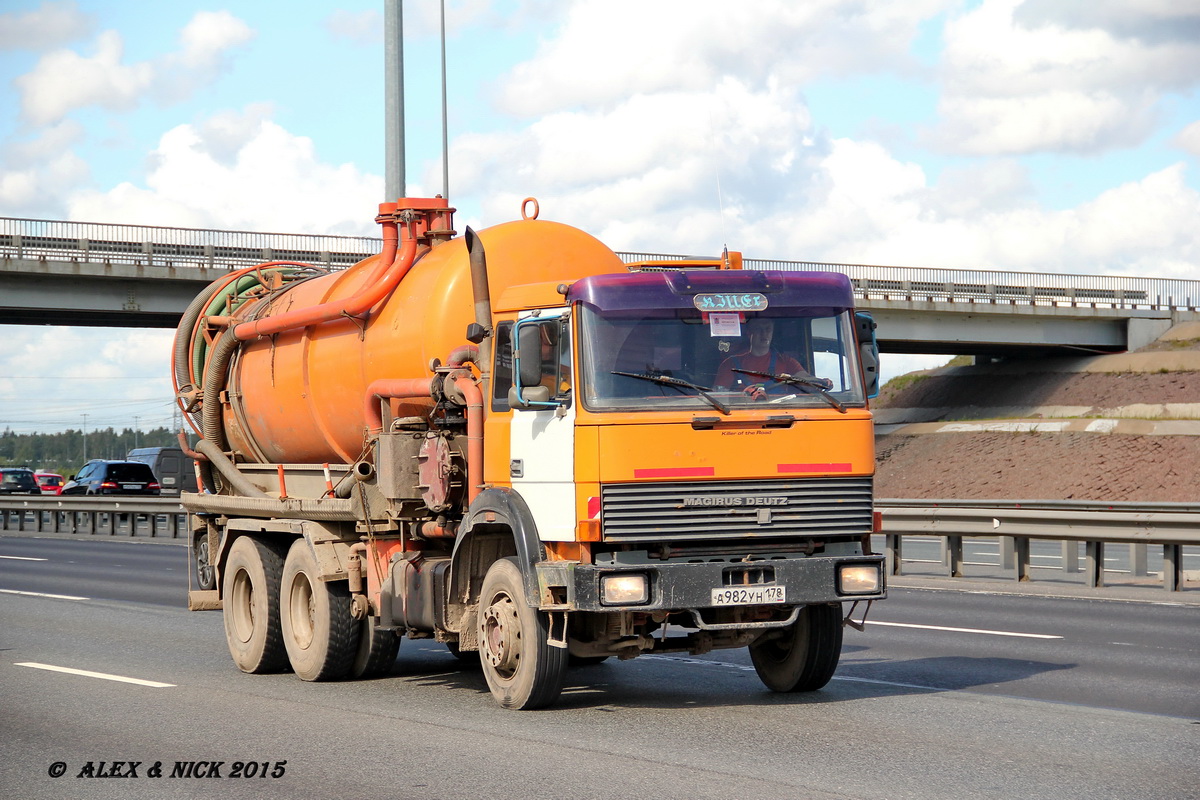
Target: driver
column 760, row 357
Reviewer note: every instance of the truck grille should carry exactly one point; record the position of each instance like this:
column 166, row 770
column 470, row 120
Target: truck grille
column 710, row 510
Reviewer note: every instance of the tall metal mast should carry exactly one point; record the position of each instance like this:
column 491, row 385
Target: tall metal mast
column 393, row 88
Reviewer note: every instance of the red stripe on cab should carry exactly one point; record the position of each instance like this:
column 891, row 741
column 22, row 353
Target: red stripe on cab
column 676, row 472
column 814, row 468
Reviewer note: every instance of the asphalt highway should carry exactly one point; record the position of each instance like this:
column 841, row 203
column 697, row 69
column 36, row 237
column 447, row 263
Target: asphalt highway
column 946, row 694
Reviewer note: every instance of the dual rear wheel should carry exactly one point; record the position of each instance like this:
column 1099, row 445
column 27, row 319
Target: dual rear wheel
column 279, row 613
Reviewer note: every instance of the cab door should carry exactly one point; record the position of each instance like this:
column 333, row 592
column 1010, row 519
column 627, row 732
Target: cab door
column 542, row 441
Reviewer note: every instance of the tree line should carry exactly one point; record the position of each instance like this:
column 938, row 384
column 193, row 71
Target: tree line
column 66, row 451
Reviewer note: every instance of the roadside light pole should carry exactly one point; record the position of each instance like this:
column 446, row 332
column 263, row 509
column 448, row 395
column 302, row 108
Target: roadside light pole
column 85, row 416
column 393, row 103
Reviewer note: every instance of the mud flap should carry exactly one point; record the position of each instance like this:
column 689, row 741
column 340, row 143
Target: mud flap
column 557, row 634
column 204, row 600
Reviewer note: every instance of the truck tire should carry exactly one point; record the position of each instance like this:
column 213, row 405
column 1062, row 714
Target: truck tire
column 319, row 634
column 377, row 650
column 523, row 670
column 250, row 587
column 206, row 576
column 805, row 656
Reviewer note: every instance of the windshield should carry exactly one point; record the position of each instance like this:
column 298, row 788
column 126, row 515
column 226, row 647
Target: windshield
column 778, row 357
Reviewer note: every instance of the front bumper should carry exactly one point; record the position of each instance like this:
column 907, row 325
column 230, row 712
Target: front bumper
column 680, row 586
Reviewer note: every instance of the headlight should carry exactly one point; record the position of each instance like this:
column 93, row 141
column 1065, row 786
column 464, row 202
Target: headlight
column 858, row 579
column 624, row 590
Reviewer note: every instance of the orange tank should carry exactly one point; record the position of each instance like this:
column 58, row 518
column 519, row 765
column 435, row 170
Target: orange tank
column 298, row 396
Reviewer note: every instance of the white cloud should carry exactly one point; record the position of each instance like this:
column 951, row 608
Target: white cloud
column 46, row 170
column 207, row 38
column 598, row 58
column 240, row 171
column 670, row 170
column 1027, row 82
column 63, row 80
column 127, row 370
column 49, row 25
column 360, row 27
column 1189, row 139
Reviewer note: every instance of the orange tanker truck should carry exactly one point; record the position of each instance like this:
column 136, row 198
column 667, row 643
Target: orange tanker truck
column 516, row 444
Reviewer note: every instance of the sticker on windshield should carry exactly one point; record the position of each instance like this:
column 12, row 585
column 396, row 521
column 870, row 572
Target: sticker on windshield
column 730, row 301
column 725, row 323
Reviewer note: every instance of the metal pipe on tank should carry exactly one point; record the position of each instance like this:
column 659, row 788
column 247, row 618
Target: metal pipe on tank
column 483, row 305
column 399, row 388
column 474, row 403
column 380, row 284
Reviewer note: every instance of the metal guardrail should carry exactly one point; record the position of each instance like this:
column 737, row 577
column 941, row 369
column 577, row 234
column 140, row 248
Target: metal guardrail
column 155, row 517
column 174, row 247
column 1171, row 525
column 200, row 247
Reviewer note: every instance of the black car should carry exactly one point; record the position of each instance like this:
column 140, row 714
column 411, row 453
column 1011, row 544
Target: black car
column 18, row 480
column 113, row 477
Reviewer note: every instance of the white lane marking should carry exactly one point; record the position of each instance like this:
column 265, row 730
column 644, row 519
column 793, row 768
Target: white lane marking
column 87, row 674
column 745, row 668
column 24, row 558
column 965, row 630
column 43, row 594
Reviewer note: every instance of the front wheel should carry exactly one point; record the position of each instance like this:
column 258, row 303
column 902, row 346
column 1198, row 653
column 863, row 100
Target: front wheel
column 523, row 670
column 803, row 657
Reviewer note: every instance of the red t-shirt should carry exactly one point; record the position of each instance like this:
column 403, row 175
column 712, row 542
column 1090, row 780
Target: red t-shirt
column 773, row 363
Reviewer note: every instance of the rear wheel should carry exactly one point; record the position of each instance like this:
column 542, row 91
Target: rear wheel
column 206, row 578
column 377, row 650
column 251, row 606
column 320, row 635
column 522, row 668
column 803, row 657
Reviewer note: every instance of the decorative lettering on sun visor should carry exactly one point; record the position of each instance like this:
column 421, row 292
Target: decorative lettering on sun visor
column 730, row 301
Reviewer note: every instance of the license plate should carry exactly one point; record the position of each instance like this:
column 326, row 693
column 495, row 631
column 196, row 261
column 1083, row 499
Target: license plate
column 748, row 595
column 130, row 486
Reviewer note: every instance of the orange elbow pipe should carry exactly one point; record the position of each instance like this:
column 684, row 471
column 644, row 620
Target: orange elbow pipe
column 383, row 280
column 474, row 398
column 391, row 387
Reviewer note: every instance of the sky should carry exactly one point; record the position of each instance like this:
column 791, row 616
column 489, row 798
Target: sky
column 1032, row 135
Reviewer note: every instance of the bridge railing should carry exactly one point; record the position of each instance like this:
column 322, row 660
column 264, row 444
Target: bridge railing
column 174, row 247
column 999, row 287
column 199, row 247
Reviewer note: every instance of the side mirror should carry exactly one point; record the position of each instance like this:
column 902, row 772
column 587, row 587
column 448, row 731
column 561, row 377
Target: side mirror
column 527, row 391
column 868, row 351
column 530, row 397
column 529, row 354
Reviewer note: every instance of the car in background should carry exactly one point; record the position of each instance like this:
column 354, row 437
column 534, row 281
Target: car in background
column 18, row 480
column 113, row 477
column 49, row 482
column 175, row 470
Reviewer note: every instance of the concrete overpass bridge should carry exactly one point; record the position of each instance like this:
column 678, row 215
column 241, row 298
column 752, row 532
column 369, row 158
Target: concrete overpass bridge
column 72, row 273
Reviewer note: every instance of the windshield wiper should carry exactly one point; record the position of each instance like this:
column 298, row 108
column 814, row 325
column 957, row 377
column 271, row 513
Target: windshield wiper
column 679, row 384
column 818, row 386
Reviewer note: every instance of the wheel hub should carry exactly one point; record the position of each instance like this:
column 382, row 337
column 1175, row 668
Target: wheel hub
column 501, row 635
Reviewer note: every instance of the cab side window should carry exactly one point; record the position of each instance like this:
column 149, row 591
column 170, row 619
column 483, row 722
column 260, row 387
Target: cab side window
column 502, row 371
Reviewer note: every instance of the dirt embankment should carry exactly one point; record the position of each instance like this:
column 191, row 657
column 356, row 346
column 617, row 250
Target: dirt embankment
column 1038, row 466
column 1043, row 466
